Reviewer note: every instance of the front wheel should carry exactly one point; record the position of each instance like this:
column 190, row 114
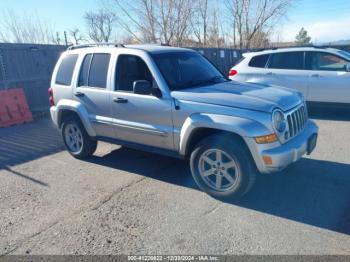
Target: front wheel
column 223, row 167
column 77, row 141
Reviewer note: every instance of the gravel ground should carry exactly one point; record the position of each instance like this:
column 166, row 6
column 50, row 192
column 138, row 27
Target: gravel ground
column 123, row 201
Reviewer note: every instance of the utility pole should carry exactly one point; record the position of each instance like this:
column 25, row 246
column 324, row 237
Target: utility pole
column 65, row 38
column 234, row 34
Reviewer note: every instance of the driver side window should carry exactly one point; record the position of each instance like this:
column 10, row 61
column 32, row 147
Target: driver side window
column 322, row 61
column 131, row 68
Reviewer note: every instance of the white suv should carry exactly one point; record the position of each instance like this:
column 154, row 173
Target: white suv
column 321, row 74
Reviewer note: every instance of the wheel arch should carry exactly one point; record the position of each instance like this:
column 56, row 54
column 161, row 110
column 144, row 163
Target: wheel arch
column 67, row 108
column 200, row 133
column 198, row 126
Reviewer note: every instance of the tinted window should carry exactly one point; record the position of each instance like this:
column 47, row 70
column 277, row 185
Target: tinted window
column 98, row 70
column 239, row 61
column 344, row 53
column 84, row 71
column 186, row 70
column 287, row 60
column 131, row 68
column 259, row 61
column 65, row 70
column 324, row 62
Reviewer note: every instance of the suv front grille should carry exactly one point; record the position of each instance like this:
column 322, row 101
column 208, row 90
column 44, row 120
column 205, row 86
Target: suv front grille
column 296, row 121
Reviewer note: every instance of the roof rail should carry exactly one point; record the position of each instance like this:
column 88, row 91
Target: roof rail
column 73, row 47
column 291, row 46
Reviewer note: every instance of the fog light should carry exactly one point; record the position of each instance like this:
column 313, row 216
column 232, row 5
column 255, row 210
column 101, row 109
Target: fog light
column 266, row 139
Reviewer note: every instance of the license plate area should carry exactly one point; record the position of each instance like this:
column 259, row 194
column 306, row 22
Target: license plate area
column 311, row 144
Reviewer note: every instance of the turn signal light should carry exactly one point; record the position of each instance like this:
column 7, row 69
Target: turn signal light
column 266, row 139
column 267, row 160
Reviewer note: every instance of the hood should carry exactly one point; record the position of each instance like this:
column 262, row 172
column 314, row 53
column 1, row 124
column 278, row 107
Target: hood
column 242, row 95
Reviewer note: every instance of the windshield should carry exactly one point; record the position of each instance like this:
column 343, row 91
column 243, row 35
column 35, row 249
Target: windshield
column 345, row 54
column 187, row 69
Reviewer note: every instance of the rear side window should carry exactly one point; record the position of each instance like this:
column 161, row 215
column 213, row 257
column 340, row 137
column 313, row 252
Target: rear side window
column 65, row 70
column 239, row 61
column 287, row 60
column 259, row 61
column 94, row 70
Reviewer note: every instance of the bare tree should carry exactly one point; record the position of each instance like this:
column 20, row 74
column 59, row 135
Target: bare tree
column 215, row 30
column 76, row 34
column 199, row 21
column 26, row 29
column 254, row 17
column 57, row 39
column 100, row 25
column 165, row 21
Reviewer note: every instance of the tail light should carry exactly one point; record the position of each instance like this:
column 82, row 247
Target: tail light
column 232, row 72
column 51, row 100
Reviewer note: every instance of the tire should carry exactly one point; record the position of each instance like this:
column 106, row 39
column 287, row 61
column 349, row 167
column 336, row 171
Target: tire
column 236, row 168
column 73, row 131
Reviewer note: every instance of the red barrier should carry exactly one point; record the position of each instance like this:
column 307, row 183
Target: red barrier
column 14, row 108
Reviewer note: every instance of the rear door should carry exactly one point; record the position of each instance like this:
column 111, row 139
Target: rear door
column 328, row 79
column 256, row 70
column 92, row 92
column 287, row 69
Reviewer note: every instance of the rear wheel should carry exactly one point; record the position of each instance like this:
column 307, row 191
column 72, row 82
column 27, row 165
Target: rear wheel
column 223, row 167
column 77, row 141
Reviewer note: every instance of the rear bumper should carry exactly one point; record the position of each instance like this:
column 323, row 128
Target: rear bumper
column 282, row 155
column 54, row 115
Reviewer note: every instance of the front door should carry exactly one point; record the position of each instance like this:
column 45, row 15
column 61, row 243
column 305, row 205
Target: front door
column 328, row 79
column 141, row 119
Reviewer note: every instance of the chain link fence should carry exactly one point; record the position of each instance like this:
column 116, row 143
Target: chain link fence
column 30, row 67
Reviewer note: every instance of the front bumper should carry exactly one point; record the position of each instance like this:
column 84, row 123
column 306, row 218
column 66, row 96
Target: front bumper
column 285, row 154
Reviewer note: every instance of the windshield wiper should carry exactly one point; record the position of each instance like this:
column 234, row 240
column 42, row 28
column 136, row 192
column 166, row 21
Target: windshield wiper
column 213, row 80
column 216, row 79
column 194, row 83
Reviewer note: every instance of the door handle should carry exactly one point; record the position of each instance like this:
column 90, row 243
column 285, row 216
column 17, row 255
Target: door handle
column 79, row 94
column 315, row 75
column 269, row 73
column 120, row 100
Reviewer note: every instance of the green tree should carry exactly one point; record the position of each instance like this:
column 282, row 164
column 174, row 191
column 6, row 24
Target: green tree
column 302, row 37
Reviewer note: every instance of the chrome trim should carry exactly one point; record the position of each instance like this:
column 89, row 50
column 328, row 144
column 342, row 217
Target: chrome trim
column 132, row 127
column 296, row 122
column 142, row 129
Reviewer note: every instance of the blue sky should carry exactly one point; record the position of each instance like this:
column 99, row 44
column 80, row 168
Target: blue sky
column 324, row 19
column 63, row 14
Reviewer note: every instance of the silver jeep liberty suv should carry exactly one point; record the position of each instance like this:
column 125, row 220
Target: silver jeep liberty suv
column 173, row 101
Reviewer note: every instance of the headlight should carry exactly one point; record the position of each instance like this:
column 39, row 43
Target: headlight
column 279, row 121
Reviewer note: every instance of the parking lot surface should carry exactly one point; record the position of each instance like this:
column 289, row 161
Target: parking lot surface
column 123, row 201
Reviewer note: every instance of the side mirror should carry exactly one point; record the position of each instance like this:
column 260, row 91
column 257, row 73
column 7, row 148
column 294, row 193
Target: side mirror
column 347, row 67
column 142, row 87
